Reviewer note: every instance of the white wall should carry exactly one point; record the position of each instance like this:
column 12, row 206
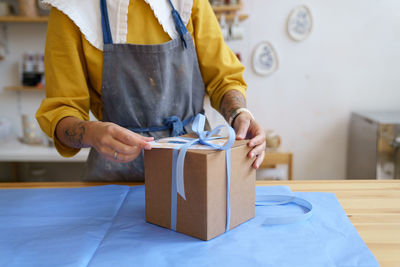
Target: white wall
column 351, row 61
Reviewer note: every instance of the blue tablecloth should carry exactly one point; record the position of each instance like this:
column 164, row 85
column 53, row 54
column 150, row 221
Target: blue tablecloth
column 105, row 226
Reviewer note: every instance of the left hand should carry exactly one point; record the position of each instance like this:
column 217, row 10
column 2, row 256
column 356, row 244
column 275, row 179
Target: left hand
column 247, row 128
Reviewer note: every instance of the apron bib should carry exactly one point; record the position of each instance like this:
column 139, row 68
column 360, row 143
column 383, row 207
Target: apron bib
column 149, row 89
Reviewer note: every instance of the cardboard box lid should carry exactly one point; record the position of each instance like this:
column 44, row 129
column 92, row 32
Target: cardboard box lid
column 210, row 150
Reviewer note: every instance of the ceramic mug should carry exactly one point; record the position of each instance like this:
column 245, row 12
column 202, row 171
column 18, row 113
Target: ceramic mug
column 31, row 132
column 224, row 27
column 237, row 29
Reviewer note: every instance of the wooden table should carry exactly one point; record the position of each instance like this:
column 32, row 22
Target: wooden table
column 372, row 206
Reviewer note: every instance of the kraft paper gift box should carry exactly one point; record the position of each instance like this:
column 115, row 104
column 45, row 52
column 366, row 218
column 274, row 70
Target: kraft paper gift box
column 204, row 212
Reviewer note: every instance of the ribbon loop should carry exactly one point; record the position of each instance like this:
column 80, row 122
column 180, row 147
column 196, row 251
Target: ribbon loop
column 273, row 200
column 175, row 124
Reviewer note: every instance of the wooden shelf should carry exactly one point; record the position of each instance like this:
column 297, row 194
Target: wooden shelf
column 231, row 17
column 20, row 19
column 273, row 158
column 24, row 88
column 227, row 8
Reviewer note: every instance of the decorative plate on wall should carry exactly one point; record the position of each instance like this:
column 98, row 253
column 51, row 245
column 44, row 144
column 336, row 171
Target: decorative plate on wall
column 300, row 23
column 265, row 60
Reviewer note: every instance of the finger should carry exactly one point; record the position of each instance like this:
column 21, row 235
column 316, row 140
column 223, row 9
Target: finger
column 259, row 160
column 257, row 140
column 130, row 138
column 146, row 138
column 116, row 145
column 242, row 126
column 123, row 158
column 122, row 148
column 256, row 133
column 113, row 155
column 258, row 150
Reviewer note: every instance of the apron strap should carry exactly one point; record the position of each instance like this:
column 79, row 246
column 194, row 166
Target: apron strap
column 173, row 123
column 180, row 26
column 105, row 23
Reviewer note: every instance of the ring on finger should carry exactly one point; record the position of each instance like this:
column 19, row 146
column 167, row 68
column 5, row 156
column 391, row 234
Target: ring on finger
column 115, row 155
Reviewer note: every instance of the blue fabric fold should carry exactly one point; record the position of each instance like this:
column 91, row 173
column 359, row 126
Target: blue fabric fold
column 105, row 226
column 52, row 227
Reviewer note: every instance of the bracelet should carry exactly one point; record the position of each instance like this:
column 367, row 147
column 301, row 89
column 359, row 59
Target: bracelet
column 237, row 112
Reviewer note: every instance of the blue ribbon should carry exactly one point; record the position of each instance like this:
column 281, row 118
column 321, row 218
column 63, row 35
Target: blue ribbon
column 174, row 201
column 272, row 200
column 204, row 138
column 178, row 162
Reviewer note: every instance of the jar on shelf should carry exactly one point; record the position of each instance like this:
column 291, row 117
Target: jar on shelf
column 32, row 69
column 31, row 131
column 27, row 8
column 217, row 2
column 232, row 2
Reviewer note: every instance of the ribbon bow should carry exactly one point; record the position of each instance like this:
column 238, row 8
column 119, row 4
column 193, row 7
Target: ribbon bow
column 204, row 138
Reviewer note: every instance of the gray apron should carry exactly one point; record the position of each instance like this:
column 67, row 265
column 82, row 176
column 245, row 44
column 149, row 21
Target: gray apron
column 142, row 85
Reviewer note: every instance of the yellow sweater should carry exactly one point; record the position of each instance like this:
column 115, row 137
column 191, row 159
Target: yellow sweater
column 74, row 67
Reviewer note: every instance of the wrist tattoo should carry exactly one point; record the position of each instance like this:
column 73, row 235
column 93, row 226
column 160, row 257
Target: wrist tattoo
column 231, row 101
column 75, row 134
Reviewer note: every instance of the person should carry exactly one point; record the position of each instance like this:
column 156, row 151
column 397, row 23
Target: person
column 143, row 72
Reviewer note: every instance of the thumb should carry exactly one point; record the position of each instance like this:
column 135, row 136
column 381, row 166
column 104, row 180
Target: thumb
column 241, row 128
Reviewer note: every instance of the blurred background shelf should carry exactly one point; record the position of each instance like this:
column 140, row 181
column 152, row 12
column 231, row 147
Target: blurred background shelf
column 24, row 88
column 227, row 8
column 22, row 162
column 231, row 17
column 19, row 19
column 273, row 158
column 15, row 151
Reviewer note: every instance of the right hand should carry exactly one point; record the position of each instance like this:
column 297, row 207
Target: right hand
column 108, row 138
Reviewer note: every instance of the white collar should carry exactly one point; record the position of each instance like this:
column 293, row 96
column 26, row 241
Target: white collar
column 86, row 15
